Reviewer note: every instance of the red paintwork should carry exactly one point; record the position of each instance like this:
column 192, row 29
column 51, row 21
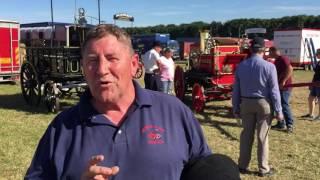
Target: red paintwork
column 300, row 64
column 211, row 76
column 198, row 97
column 221, row 63
column 7, row 65
column 195, row 47
column 316, row 84
column 185, row 48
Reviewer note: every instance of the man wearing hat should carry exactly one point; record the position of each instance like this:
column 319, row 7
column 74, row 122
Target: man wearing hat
column 255, row 96
column 150, row 59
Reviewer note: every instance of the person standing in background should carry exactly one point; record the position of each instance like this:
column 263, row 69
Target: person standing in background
column 314, row 92
column 255, row 95
column 166, row 65
column 149, row 59
column 284, row 72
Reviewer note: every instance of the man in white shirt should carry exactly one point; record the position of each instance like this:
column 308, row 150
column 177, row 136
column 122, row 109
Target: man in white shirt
column 150, row 58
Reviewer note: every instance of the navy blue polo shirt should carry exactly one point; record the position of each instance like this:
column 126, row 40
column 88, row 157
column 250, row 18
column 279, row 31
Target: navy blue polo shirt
column 157, row 138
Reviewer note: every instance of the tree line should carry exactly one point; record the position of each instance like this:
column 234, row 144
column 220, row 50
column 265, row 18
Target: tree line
column 232, row 28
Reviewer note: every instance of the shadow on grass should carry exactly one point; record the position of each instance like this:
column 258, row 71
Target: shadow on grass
column 221, row 111
column 17, row 102
column 219, row 125
column 216, row 111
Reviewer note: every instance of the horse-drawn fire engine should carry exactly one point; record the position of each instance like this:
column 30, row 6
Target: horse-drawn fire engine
column 211, row 72
column 51, row 72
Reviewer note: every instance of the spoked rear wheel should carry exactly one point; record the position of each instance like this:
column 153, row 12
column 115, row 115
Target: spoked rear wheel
column 30, row 84
column 198, row 98
column 51, row 97
column 179, row 83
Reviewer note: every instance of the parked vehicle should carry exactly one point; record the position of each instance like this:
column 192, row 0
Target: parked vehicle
column 175, row 47
column 53, row 72
column 298, row 45
column 9, row 50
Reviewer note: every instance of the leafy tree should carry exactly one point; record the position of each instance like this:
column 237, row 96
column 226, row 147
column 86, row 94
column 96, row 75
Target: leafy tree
column 232, row 28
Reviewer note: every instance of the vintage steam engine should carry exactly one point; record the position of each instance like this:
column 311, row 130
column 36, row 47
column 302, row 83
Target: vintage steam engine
column 211, row 71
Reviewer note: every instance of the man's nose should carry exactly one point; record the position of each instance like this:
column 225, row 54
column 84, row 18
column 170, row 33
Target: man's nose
column 103, row 66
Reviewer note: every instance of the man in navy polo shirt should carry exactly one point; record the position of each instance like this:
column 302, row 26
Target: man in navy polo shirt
column 118, row 130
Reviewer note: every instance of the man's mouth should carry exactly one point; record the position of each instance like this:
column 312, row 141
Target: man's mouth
column 104, row 83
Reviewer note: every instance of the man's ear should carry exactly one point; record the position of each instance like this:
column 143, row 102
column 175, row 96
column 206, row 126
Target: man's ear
column 81, row 66
column 134, row 64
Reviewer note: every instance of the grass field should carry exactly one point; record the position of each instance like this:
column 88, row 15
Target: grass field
column 295, row 156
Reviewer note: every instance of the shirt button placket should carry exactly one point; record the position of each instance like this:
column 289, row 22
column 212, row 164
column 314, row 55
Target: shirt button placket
column 120, row 136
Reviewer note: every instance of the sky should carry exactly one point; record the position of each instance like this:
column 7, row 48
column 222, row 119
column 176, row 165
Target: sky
column 149, row 13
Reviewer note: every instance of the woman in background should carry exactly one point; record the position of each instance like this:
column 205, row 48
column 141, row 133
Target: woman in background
column 166, row 65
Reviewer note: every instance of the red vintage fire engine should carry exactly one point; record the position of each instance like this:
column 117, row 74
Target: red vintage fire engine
column 211, row 72
column 9, row 50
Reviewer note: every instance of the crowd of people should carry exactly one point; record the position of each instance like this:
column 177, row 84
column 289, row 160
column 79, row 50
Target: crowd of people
column 121, row 131
column 260, row 98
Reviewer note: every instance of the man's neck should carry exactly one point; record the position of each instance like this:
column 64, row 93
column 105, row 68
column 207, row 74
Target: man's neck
column 116, row 111
column 259, row 54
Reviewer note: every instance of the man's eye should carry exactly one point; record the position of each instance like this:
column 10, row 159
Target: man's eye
column 92, row 61
column 111, row 58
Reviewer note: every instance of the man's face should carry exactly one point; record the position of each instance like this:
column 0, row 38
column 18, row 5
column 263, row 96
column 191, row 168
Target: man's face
column 168, row 54
column 272, row 53
column 158, row 49
column 108, row 67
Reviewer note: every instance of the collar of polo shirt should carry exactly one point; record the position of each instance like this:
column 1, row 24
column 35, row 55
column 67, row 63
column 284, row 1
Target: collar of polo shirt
column 86, row 110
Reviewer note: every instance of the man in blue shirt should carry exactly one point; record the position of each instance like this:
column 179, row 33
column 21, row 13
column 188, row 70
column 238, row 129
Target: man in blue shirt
column 255, row 96
column 118, row 130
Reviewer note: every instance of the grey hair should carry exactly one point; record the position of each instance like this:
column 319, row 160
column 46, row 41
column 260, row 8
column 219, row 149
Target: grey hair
column 103, row 30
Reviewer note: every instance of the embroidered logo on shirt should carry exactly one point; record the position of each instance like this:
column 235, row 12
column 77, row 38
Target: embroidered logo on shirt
column 153, row 133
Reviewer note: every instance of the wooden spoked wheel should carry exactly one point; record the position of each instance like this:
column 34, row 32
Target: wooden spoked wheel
column 30, row 84
column 51, row 97
column 179, row 83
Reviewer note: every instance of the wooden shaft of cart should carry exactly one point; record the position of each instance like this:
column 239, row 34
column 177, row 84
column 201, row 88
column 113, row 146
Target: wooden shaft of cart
column 317, row 84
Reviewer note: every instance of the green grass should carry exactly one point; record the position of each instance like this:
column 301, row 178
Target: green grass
column 295, row 156
column 20, row 130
